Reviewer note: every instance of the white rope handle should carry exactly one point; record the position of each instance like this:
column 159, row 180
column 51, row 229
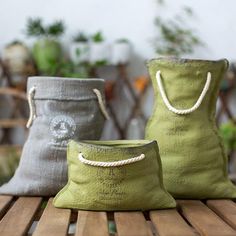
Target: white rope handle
column 184, row 111
column 32, row 114
column 101, row 104
column 110, row 164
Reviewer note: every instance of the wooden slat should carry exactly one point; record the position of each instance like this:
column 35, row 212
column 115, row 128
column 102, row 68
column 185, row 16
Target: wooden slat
column 91, row 223
column 53, row 222
column 4, row 203
column 132, row 224
column 226, row 209
column 18, row 219
column 205, row 221
column 170, row 223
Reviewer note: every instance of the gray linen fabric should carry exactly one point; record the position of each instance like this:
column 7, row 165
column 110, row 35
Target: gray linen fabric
column 66, row 108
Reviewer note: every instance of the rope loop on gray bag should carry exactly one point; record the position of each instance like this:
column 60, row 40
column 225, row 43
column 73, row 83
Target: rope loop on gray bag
column 101, row 103
column 182, row 111
column 32, row 110
column 110, row 164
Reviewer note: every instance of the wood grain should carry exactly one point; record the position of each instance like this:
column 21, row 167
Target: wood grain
column 18, row 219
column 170, row 223
column 53, row 222
column 205, row 221
column 4, row 203
column 131, row 224
column 92, row 223
column 226, row 209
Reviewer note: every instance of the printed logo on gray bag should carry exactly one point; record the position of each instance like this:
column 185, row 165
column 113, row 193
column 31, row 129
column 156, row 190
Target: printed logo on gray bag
column 62, row 128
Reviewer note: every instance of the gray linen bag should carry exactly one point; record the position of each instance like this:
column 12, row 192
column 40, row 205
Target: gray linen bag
column 60, row 109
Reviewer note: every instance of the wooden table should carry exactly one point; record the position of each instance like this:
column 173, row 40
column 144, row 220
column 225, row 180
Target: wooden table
column 37, row 216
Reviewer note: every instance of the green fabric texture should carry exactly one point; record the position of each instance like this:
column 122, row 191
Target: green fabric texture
column 134, row 186
column 193, row 157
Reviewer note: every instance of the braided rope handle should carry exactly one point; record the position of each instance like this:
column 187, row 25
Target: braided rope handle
column 32, row 114
column 182, row 111
column 32, row 110
column 110, row 164
column 101, row 103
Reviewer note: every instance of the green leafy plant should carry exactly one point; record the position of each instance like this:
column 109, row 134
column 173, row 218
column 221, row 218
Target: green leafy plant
column 98, row 37
column 81, row 37
column 175, row 37
column 36, row 28
column 228, row 134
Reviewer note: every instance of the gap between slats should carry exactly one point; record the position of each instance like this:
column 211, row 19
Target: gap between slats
column 5, row 204
column 226, row 209
column 19, row 217
column 204, row 220
column 53, row 222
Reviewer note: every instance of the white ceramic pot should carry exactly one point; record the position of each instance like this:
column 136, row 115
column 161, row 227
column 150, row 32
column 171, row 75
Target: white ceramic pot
column 99, row 52
column 120, row 53
column 79, row 52
column 17, row 57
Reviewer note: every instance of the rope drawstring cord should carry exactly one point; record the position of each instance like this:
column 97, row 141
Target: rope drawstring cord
column 110, row 164
column 182, row 111
column 32, row 110
column 101, row 104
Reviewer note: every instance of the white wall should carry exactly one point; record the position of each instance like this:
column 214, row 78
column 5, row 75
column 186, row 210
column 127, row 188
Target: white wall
column 214, row 21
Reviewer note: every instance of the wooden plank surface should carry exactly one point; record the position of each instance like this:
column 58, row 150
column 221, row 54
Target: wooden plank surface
column 226, row 209
column 53, row 222
column 131, row 224
column 18, row 219
column 170, row 223
column 205, row 221
column 4, row 203
column 90, row 223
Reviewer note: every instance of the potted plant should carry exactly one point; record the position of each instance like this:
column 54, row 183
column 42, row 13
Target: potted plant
column 16, row 56
column 79, row 49
column 121, row 50
column 99, row 52
column 47, row 50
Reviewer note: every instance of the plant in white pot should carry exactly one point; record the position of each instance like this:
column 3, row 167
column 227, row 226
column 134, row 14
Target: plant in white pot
column 47, row 50
column 79, row 48
column 120, row 51
column 99, row 50
column 16, row 56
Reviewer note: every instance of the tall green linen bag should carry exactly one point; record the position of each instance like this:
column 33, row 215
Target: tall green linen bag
column 183, row 123
column 114, row 175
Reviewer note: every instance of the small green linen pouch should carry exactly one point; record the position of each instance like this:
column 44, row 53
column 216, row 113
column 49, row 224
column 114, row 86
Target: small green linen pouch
column 114, row 175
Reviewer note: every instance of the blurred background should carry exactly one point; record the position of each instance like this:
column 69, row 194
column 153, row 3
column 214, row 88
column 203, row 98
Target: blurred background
column 112, row 40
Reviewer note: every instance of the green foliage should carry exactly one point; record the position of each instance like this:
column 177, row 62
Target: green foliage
column 80, row 37
column 228, row 134
column 8, row 164
column 98, row 37
column 35, row 28
column 175, row 37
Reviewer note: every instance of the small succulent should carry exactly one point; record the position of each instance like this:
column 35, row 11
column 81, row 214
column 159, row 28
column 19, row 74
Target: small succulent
column 98, row 37
column 80, row 37
column 35, row 28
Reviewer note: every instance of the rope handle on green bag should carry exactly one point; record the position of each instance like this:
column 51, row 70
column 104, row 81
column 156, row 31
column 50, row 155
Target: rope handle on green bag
column 182, row 111
column 32, row 109
column 110, row 164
